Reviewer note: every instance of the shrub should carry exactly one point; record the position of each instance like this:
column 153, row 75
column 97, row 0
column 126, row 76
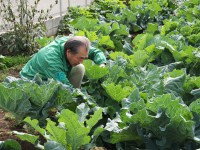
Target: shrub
column 23, row 24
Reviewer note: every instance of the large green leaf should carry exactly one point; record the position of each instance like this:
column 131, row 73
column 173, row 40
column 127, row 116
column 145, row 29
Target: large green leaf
column 127, row 48
column 171, row 67
column 139, row 58
column 175, row 73
column 168, row 26
column 152, row 28
column 91, row 35
column 33, row 98
column 106, row 41
column 114, row 55
column 154, row 9
column 153, row 52
column 112, row 16
column 10, row 145
column 117, row 70
column 128, row 16
column 52, row 145
column 166, row 102
column 77, row 133
column 56, row 133
column 105, row 29
column 118, row 134
column 196, row 93
column 136, row 5
column 40, row 95
column 14, row 100
column 115, row 26
column 143, row 118
column 134, row 97
column 83, row 23
column 123, row 30
column 126, row 134
column 117, row 92
column 195, row 107
column 94, row 118
column 93, row 71
column 27, row 137
column 35, row 124
column 44, row 40
column 148, row 79
column 180, row 118
column 82, row 111
column 174, row 83
column 141, row 41
column 62, row 96
column 97, row 132
column 166, row 116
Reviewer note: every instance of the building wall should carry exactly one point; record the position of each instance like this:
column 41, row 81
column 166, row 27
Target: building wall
column 57, row 12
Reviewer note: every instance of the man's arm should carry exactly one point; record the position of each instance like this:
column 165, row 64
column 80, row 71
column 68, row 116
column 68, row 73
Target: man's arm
column 97, row 56
column 61, row 77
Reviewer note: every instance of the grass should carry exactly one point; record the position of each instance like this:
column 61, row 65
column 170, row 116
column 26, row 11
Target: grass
column 12, row 65
column 11, row 61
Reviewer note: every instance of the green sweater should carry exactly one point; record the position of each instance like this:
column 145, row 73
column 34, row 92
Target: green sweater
column 50, row 62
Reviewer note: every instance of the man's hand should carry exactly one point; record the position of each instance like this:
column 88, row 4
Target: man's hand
column 102, row 65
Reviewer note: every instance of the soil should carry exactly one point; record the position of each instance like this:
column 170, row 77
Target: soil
column 6, row 128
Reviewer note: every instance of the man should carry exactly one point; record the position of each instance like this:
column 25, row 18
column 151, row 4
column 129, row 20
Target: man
column 62, row 60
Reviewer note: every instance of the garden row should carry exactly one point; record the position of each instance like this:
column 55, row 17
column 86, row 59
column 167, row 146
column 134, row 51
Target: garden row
column 147, row 96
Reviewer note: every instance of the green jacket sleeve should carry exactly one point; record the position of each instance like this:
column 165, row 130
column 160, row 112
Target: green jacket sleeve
column 61, row 76
column 57, row 74
column 96, row 55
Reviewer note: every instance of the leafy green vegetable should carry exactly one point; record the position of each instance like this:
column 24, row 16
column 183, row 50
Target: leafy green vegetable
column 93, row 71
column 94, row 118
column 14, row 100
column 23, row 98
column 44, row 40
column 169, row 117
column 70, row 133
column 117, row 92
column 28, row 137
column 35, row 124
column 53, row 146
column 10, row 145
column 56, row 133
column 77, row 134
column 82, row 111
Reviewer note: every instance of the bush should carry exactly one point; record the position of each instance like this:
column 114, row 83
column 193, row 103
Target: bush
column 23, row 25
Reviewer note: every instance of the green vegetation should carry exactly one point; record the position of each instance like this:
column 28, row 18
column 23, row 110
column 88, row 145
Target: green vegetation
column 147, row 96
column 11, row 65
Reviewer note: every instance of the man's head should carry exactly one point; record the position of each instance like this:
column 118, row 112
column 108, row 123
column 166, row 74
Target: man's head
column 76, row 49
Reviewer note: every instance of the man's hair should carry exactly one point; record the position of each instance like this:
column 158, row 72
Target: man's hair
column 75, row 42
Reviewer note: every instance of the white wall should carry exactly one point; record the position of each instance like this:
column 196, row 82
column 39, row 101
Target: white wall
column 57, row 12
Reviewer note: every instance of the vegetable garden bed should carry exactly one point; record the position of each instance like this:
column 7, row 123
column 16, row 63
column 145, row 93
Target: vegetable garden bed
column 147, row 96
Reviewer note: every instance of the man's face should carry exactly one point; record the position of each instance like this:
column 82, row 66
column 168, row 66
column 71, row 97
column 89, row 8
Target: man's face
column 76, row 59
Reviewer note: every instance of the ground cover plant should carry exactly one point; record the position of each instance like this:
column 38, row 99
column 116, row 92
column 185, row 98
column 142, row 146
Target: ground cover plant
column 147, row 96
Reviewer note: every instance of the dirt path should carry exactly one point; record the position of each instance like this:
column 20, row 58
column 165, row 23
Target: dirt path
column 6, row 128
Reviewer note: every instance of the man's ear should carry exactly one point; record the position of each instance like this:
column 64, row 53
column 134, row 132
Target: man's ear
column 68, row 51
